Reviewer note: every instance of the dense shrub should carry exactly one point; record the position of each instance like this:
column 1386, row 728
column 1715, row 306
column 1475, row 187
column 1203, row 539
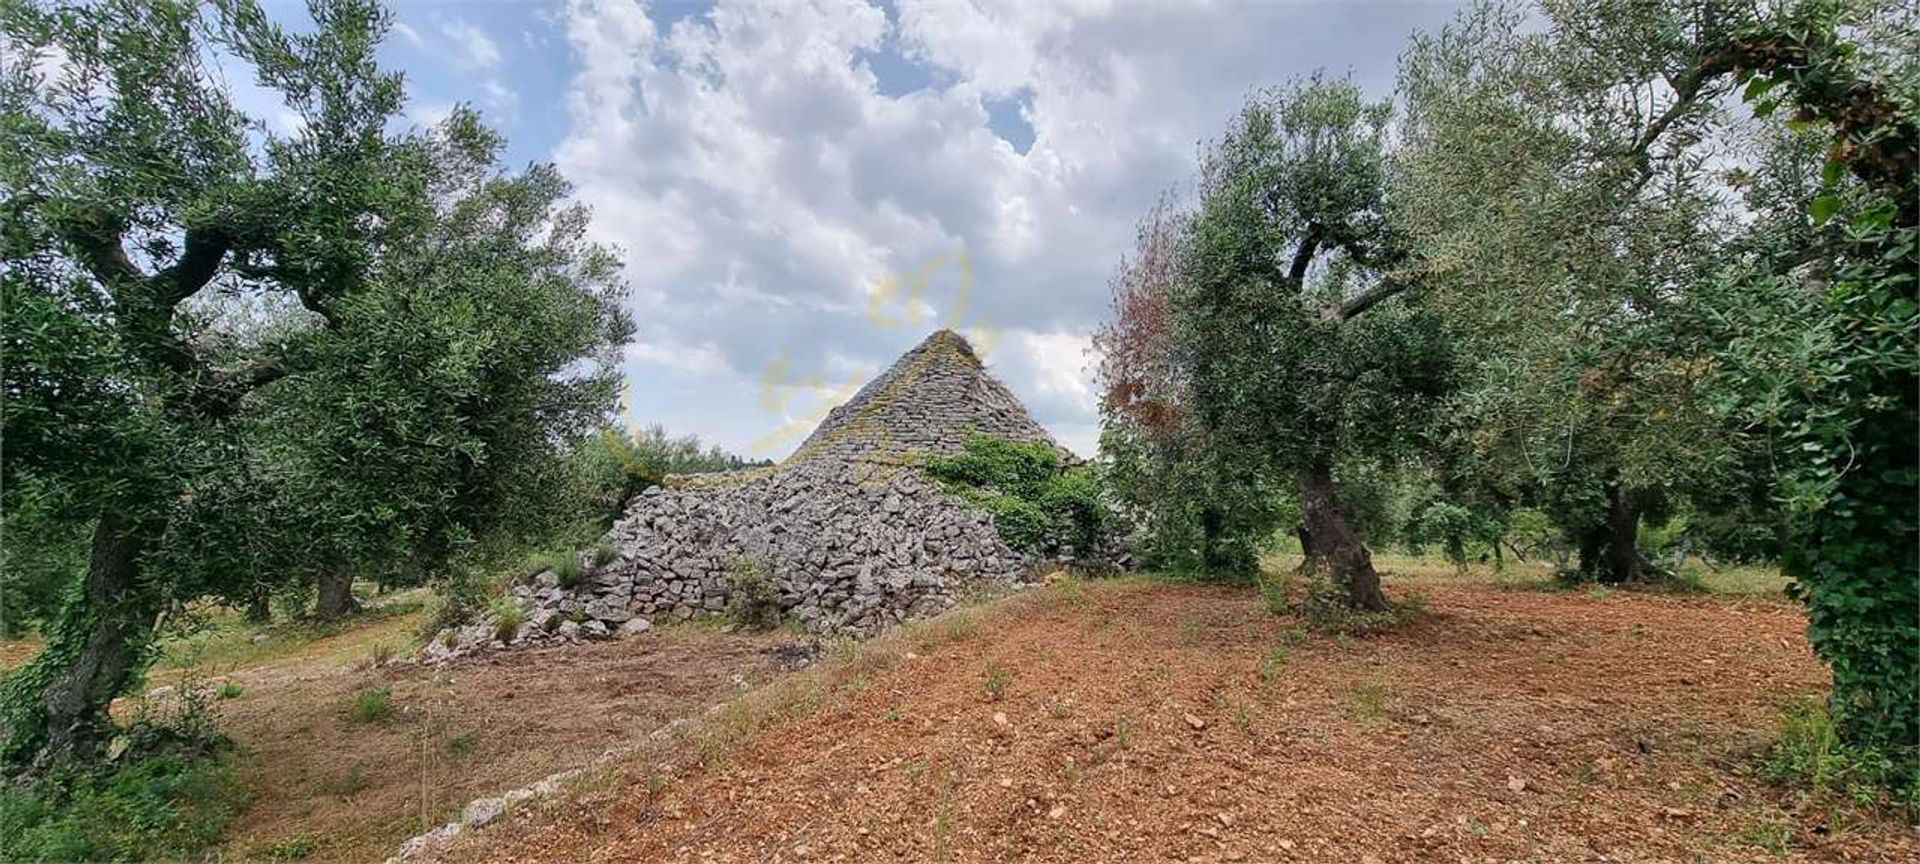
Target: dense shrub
column 1036, row 503
column 166, row 793
column 754, row 598
column 170, row 806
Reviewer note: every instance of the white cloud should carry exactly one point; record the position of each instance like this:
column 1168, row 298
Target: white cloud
column 408, row 33
column 762, row 185
column 1059, row 364
column 703, row 359
column 474, row 49
column 429, row 114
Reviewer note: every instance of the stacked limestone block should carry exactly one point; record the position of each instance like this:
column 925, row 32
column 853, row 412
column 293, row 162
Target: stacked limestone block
column 852, row 534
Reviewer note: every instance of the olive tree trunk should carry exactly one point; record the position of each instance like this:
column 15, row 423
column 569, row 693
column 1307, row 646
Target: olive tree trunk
column 1309, row 559
column 1623, row 538
column 55, row 709
column 1610, row 549
column 336, row 594
column 1334, row 542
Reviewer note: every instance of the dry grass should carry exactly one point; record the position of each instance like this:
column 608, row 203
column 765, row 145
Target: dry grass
column 1396, row 568
column 223, row 641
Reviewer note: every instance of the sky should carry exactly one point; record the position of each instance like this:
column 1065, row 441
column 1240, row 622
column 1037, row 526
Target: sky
column 802, row 190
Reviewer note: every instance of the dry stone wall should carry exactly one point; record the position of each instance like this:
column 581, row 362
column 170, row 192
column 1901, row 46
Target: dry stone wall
column 851, row 534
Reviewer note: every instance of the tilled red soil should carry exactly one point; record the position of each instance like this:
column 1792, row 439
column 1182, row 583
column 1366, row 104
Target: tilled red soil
column 1136, row 725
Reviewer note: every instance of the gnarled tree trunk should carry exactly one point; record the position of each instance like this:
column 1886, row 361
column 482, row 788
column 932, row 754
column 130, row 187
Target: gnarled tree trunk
column 56, row 709
column 1610, row 549
column 1309, row 559
column 336, row 594
column 1623, row 538
column 259, row 605
column 1334, row 541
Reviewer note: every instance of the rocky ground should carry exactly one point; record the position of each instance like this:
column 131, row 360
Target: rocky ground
column 1133, row 722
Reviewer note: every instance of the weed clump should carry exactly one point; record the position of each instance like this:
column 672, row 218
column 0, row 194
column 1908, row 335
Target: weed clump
column 508, row 616
column 753, row 598
column 371, row 705
column 565, row 566
column 995, row 679
column 171, row 806
column 167, row 791
column 1811, row 755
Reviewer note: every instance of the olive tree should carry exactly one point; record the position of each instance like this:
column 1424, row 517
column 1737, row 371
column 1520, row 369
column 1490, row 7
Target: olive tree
column 1289, row 326
column 239, row 355
column 1556, row 182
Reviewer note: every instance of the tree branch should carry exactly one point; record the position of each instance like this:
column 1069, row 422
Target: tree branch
column 98, row 241
column 197, row 265
column 219, row 396
column 1368, row 299
column 1303, row 256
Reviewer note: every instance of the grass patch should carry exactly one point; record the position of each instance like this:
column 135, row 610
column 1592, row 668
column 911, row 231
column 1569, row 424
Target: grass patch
column 1272, row 664
column 463, row 745
column 603, row 553
column 995, row 679
column 508, row 615
column 371, row 705
column 231, row 690
column 565, row 566
column 1774, row 835
column 1811, row 756
column 1368, row 702
column 222, row 639
column 295, row 848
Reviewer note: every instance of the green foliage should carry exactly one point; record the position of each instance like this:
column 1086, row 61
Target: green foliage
column 995, row 680
column 565, row 566
column 1276, row 592
column 508, row 615
column 371, row 705
column 753, row 598
column 231, row 690
column 1812, row 755
column 239, row 353
column 1036, row 504
column 169, row 792
column 295, row 848
column 618, row 464
column 1828, row 381
column 43, row 555
column 170, row 806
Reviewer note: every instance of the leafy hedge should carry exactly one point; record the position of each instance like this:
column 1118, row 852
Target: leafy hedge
column 1037, row 504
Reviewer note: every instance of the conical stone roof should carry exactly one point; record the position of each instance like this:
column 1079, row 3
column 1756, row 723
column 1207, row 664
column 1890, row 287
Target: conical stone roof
column 930, row 401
